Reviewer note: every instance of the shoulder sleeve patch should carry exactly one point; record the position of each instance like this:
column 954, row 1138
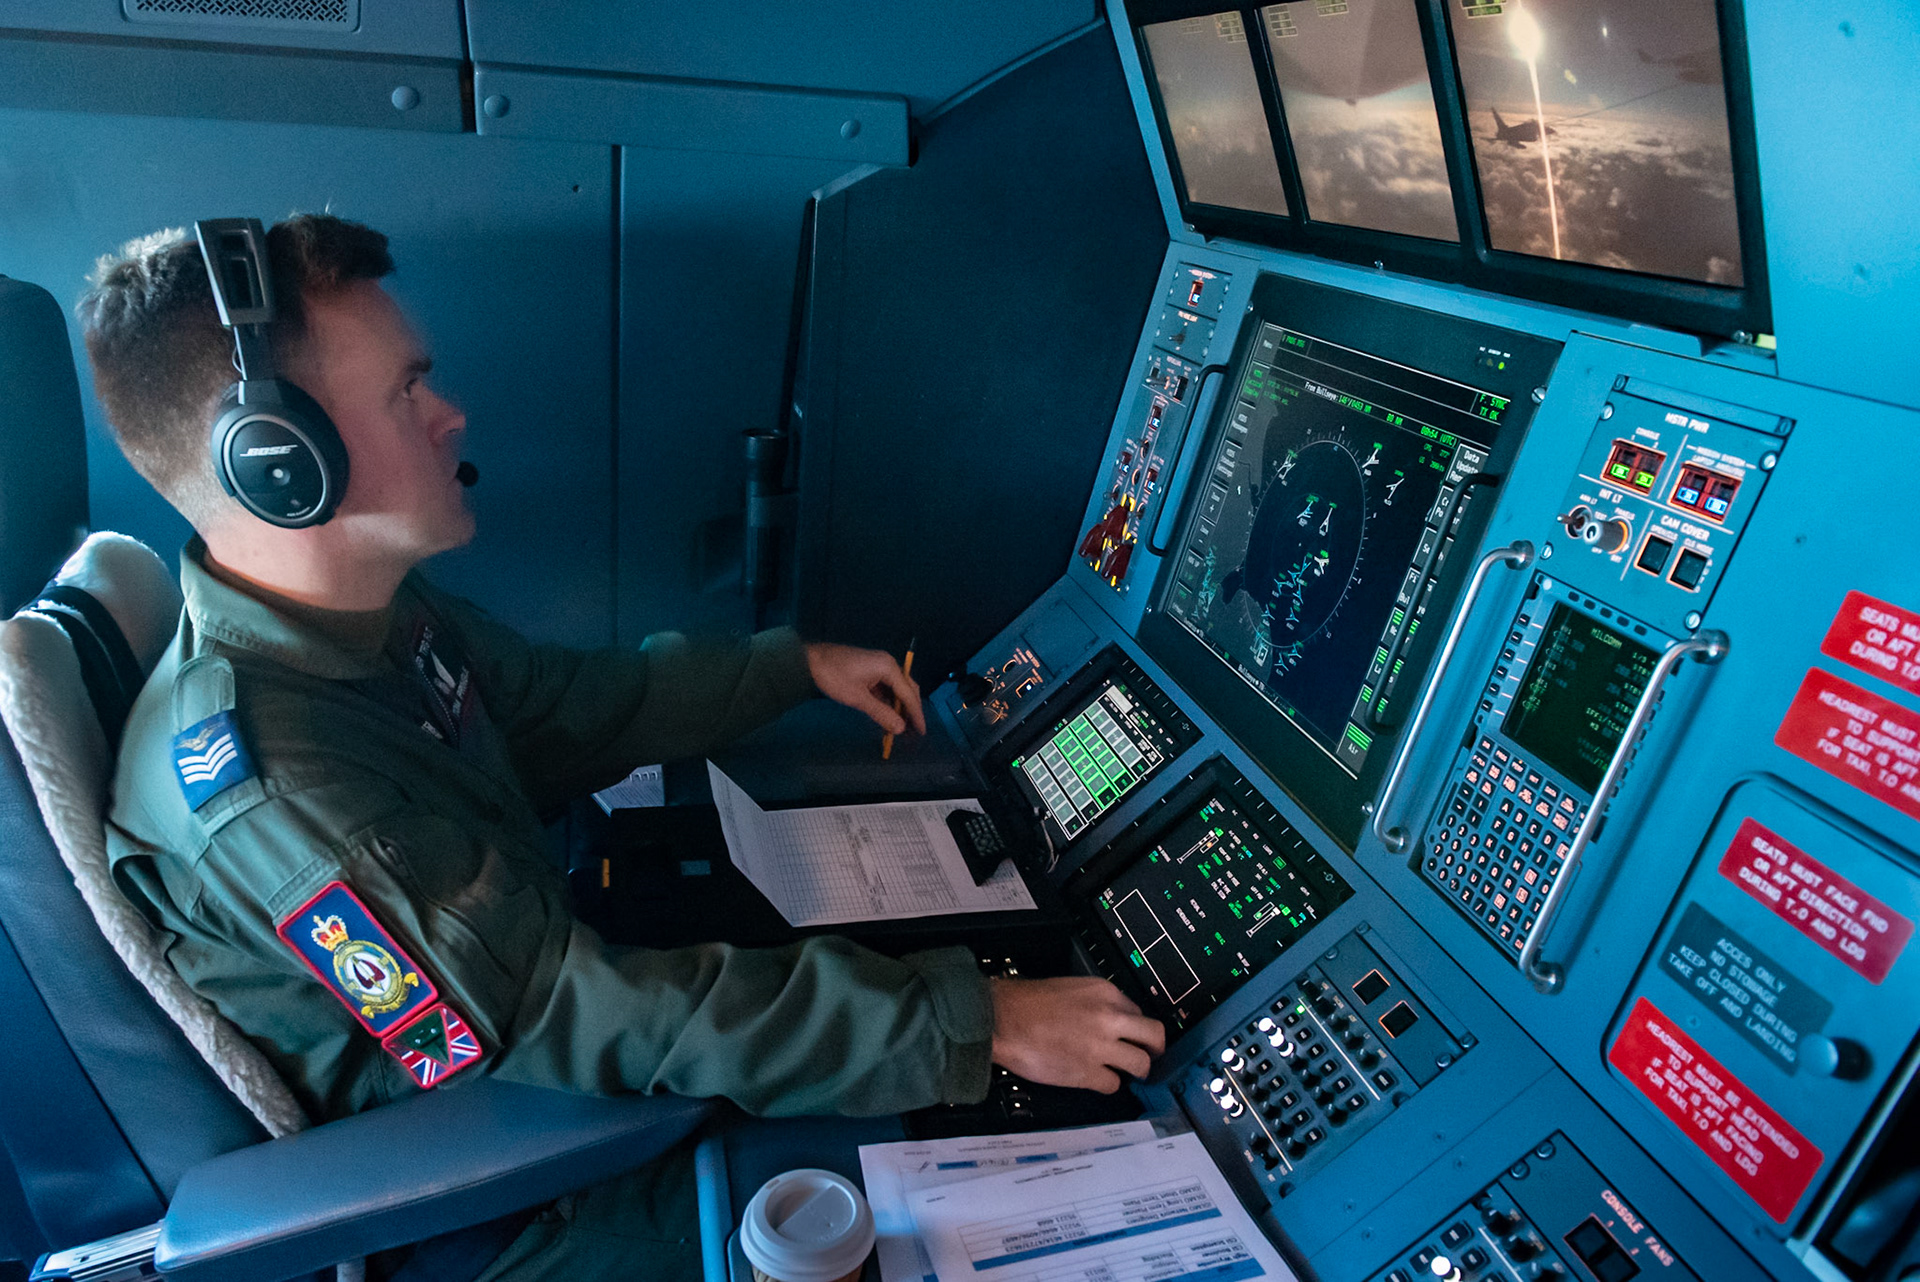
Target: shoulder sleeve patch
column 210, row 757
column 434, row 1046
column 352, row 954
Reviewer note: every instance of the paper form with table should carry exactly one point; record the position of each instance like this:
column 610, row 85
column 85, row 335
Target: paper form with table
column 1156, row 1211
column 829, row 865
column 892, row 1171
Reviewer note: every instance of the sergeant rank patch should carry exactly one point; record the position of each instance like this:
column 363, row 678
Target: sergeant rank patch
column 210, row 757
column 352, row 954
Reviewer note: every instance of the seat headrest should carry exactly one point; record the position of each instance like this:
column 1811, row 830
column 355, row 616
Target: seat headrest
column 119, row 607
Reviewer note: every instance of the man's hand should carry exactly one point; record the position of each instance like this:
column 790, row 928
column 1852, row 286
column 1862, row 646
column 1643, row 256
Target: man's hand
column 868, row 681
column 1072, row 1032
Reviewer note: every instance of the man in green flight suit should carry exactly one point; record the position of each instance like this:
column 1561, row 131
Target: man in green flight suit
column 328, row 793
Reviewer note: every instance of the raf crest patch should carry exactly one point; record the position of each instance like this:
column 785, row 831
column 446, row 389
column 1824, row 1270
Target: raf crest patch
column 340, row 942
column 210, row 758
column 353, row 955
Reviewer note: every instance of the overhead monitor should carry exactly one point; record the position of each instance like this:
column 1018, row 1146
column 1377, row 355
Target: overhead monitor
column 1327, row 525
column 1600, row 133
column 1594, row 157
column 1215, row 119
column 1359, row 108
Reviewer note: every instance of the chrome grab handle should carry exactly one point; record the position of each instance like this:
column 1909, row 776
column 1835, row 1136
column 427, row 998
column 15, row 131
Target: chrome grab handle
column 1519, row 555
column 1707, row 647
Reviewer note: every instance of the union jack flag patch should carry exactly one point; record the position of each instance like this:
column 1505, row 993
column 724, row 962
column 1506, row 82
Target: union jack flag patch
column 210, row 758
column 437, row 1044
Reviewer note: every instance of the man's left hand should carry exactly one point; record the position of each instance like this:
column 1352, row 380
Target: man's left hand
column 868, row 681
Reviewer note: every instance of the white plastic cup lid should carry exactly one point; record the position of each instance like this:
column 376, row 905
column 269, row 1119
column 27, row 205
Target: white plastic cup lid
column 807, row 1225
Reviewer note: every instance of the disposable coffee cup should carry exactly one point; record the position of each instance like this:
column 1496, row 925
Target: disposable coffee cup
column 807, row 1225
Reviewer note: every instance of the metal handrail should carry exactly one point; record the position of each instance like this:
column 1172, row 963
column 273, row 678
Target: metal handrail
column 1548, row 977
column 1519, row 555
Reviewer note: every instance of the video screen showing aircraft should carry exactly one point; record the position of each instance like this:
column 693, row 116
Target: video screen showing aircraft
column 1214, row 113
column 1353, row 81
column 1600, row 132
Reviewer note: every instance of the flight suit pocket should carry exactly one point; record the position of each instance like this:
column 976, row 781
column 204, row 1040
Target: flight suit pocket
column 482, row 925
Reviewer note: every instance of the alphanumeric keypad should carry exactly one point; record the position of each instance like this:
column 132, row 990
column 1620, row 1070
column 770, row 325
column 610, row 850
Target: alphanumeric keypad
column 1499, row 840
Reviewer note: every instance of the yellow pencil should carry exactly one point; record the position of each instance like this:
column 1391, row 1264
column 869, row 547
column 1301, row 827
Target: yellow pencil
column 906, row 669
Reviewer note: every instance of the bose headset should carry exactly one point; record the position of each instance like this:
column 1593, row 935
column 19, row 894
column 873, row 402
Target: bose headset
column 274, row 448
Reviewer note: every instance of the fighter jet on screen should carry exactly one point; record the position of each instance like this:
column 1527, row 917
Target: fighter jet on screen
column 1521, row 134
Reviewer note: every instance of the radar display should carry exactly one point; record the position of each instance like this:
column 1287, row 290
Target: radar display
column 1326, row 516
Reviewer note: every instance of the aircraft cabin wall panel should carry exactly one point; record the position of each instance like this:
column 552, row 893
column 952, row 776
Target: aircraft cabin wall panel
column 925, row 54
column 503, row 249
column 1836, row 114
column 708, row 243
column 417, row 28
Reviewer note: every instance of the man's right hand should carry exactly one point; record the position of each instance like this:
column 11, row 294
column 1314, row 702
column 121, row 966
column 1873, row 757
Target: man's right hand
column 1072, row 1032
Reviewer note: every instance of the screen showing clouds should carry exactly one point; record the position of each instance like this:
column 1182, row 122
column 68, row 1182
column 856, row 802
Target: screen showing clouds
column 1353, row 82
column 1599, row 131
column 1214, row 113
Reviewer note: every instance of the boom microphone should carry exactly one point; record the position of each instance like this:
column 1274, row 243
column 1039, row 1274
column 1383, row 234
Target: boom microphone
column 466, row 474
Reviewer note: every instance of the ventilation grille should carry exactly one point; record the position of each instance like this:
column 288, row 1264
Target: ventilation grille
column 333, row 15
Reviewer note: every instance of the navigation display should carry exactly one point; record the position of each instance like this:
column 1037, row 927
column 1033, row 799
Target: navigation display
column 1210, row 903
column 1326, row 513
column 1578, row 695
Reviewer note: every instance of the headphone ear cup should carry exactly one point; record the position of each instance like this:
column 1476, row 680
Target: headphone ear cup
column 278, row 454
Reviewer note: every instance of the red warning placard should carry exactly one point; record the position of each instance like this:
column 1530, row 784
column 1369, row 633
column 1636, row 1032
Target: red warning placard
column 1766, row 1157
column 1878, row 637
column 1815, row 900
column 1870, row 742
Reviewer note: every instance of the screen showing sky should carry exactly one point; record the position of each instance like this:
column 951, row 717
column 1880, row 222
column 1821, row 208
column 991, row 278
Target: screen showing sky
column 1353, row 81
column 1599, row 131
column 1214, row 112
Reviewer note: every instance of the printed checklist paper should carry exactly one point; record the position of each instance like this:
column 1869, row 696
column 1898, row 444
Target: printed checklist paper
column 827, row 865
column 1153, row 1212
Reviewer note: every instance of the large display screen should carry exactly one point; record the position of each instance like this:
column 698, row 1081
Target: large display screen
column 1210, row 903
column 1578, row 695
column 1600, row 133
column 1215, row 118
column 1353, row 79
column 1323, row 517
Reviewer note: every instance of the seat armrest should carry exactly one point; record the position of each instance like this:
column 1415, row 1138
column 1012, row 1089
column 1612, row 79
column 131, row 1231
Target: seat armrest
column 443, row 1160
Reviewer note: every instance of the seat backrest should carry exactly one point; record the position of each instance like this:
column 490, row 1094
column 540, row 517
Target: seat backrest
column 43, row 443
column 108, row 1103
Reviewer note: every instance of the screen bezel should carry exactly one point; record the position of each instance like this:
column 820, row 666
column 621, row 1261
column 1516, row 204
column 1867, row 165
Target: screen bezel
column 1429, row 341
column 1695, row 307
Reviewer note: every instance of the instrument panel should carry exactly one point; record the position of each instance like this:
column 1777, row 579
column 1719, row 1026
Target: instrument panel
column 1593, row 963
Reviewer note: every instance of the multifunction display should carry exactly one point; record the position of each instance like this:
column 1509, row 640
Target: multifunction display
column 1093, row 758
column 1091, row 745
column 1212, row 899
column 1326, row 515
column 1578, row 695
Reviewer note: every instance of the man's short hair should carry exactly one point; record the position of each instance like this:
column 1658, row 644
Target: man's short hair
column 161, row 359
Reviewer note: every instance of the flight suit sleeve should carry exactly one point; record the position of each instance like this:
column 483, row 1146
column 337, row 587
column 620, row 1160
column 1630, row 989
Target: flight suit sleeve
column 579, row 720
column 823, row 1026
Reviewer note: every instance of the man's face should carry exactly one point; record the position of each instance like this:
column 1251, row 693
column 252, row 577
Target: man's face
column 365, row 365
